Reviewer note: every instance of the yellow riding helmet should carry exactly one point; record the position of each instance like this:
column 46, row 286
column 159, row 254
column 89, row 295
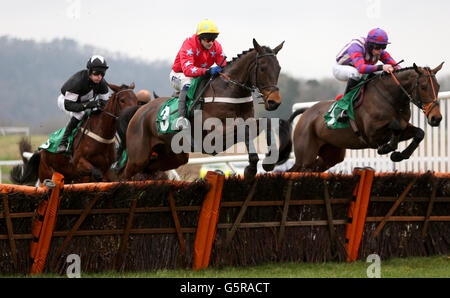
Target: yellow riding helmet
column 207, row 26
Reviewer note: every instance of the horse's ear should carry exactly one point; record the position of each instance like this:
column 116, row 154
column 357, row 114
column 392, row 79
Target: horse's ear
column 132, row 86
column 278, row 48
column 416, row 68
column 437, row 68
column 257, row 46
column 114, row 87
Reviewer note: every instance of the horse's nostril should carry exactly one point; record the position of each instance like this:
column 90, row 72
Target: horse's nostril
column 435, row 120
column 272, row 104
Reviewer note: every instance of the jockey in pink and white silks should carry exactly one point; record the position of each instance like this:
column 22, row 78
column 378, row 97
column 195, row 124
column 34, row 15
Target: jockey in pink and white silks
column 360, row 56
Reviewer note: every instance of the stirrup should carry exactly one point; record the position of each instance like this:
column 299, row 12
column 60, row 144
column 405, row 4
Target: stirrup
column 342, row 117
column 181, row 123
column 62, row 148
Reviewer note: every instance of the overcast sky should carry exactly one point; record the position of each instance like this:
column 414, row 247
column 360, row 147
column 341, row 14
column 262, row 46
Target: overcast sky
column 314, row 31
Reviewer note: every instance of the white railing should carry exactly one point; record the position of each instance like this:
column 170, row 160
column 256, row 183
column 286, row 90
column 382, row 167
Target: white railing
column 432, row 154
column 4, row 130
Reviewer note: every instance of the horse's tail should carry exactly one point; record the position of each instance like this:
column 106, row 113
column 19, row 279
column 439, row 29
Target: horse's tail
column 122, row 126
column 285, row 137
column 28, row 172
column 295, row 114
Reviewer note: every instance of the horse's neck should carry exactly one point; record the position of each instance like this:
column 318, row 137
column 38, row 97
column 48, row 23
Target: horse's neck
column 407, row 80
column 240, row 71
column 103, row 124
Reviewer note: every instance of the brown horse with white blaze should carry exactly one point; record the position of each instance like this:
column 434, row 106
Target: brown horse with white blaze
column 381, row 121
column 94, row 148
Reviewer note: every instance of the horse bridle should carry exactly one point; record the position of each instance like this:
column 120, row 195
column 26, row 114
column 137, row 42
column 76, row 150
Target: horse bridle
column 418, row 100
column 116, row 97
column 254, row 89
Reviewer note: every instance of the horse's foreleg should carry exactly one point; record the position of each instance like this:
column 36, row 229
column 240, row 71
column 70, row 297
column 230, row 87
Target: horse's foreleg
column 273, row 153
column 85, row 168
column 392, row 144
column 251, row 169
column 410, row 132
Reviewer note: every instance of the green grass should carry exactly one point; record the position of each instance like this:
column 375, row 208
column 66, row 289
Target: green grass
column 426, row 267
column 9, row 150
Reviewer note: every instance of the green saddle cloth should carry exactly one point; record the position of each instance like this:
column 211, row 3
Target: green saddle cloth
column 55, row 138
column 345, row 103
column 168, row 113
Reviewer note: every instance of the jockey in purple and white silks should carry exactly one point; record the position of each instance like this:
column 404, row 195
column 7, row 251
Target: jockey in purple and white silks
column 359, row 57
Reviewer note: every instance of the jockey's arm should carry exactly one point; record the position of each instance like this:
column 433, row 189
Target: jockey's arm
column 71, row 104
column 387, row 59
column 363, row 68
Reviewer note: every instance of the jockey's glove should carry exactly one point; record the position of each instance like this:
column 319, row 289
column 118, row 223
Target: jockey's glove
column 91, row 104
column 214, row 70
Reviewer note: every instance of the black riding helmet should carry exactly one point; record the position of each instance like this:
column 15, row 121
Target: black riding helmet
column 97, row 63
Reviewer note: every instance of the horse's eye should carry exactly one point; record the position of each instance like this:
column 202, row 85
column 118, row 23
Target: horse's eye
column 263, row 69
column 424, row 87
column 122, row 101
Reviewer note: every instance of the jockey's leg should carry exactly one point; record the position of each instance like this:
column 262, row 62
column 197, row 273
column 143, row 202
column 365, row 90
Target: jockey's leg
column 182, row 121
column 62, row 147
column 181, row 83
column 352, row 76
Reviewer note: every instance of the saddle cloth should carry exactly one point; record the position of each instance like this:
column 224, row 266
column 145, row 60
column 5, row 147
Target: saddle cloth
column 55, row 138
column 348, row 102
column 168, row 113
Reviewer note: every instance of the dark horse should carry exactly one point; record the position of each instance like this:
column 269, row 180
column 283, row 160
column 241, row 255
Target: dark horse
column 253, row 70
column 381, row 121
column 94, row 150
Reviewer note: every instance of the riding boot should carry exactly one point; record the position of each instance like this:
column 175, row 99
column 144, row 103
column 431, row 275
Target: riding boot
column 351, row 83
column 62, row 147
column 182, row 122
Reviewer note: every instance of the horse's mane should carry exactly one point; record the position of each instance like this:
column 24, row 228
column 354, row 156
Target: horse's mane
column 396, row 71
column 266, row 49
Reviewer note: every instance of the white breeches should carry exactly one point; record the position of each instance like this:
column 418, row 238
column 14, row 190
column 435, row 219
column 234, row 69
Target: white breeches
column 178, row 80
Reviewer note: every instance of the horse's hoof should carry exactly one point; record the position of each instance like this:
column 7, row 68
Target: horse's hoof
column 249, row 174
column 268, row 167
column 397, row 156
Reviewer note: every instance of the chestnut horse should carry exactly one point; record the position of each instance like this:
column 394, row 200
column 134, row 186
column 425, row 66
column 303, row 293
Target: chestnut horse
column 94, row 150
column 253, row 70
column 382, row 120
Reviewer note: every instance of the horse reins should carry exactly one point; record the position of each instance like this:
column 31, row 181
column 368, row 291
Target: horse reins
column 430, row 106
column 255, row 87
column 116, row 97
column 88, row 132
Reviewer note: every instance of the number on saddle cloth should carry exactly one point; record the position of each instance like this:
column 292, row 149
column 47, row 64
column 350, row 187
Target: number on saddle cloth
column 55, row 138
column 168, row 112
